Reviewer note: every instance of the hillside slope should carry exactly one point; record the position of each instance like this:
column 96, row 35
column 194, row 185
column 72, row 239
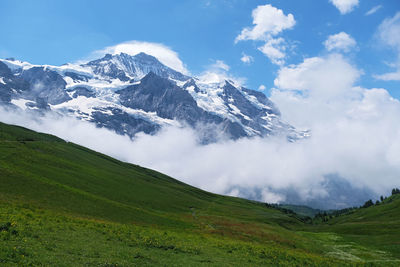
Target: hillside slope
column 66, row 177
column 376, row 227
column 62, row 204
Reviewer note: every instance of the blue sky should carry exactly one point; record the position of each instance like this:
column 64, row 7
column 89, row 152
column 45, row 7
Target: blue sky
column 201, row 32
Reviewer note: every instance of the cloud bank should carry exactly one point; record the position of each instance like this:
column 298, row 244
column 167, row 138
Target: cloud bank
column 355, row 131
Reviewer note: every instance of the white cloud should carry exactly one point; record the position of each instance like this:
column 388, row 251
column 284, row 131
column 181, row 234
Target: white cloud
column 274, row 49
column 389, row 35
column 340, row 41
column 349, row 123
column 390, row 76
column 345, row 6
column 389, row 31
column 268, row 22
column 162, row 52
column 219, row 64
column 212, row 76
column 325, row 78
column 218, row 73
column 270, row 197
column 246, row 59
column 373, row 10
column 262, row 87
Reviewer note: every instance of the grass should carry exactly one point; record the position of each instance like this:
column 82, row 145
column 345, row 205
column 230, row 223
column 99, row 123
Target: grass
column 62, row 204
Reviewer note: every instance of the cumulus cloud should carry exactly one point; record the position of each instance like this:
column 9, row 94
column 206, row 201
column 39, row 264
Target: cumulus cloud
column 246, row 59
column 320, row 77
column 262, row 87
column 344, row 6
column 162, row 52
column 268, row 22
column 274, row 49
column 389, row 34
column 373, row 10
column 340, row 42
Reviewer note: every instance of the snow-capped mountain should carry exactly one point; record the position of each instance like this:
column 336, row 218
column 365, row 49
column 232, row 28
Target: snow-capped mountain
column 131, row 94
column 125, row 67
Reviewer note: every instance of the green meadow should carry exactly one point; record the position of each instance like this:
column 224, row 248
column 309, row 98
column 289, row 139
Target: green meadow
column 65, row 205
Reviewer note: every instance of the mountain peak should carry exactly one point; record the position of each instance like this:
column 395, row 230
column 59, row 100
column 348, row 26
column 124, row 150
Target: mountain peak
column 143, row 55
column 126, row 67
column 107, row 57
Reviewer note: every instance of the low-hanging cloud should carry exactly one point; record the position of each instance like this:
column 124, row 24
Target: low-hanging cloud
column 356, row 131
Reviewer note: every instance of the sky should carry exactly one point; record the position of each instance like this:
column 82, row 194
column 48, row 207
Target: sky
column 205, row 32
column 330, row 66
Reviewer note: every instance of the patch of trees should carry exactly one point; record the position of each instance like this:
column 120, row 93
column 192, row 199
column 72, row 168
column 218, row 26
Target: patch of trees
column 277, row 207
column 305, row 219
column 368, row 204
column 383, row 199
column 324, row 217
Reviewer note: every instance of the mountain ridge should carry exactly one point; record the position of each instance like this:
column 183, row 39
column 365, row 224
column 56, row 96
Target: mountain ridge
column 96, row 92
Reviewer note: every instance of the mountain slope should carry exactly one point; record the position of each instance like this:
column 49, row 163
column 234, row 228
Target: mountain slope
column 97, row 91
column 60, row 202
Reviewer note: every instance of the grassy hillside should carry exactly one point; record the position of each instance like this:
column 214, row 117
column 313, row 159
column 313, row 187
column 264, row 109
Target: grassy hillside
column 62, row 204
column 376, row 227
